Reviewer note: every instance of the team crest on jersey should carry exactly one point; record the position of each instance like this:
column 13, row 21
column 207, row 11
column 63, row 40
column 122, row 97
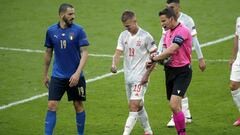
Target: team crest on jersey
column 71, row 36
column 138, row 43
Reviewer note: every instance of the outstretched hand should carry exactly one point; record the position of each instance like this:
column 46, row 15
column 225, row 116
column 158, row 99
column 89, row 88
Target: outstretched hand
column 73, row 81
column 149, row 64
column 113, row 69
column 46, row 81
column 202, row 64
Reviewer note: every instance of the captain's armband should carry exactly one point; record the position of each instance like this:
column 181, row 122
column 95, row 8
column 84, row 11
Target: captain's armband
column 178, row 40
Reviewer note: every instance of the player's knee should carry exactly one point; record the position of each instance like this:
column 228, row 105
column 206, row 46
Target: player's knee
column 78, row 105
column 233, row 86
column 134, row 106
column 175, row 107
column 52, row 105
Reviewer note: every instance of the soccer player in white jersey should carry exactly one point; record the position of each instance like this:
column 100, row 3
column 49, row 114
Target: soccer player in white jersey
column 187, row 21
column 235, row 70
column 136, row 44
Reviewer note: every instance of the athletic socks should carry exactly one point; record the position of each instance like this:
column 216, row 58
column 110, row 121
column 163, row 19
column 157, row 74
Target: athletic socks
column 80, row 120
column 143, row 117
column 50, row 122
column 179, row 121
column 236, row 97
column 131, row 121
column 185, row 107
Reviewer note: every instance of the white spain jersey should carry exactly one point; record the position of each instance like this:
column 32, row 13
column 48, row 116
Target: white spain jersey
column 188, row 22
column 235, row 72
column 136, row 51
column 238, row 34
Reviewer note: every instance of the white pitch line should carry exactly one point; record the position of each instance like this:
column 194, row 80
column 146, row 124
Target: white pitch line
column 21, row 50
column 45, row 94
column 217, row 41
column 22, row 101
column 90, row 80
column 216, row 60
column 110, row 56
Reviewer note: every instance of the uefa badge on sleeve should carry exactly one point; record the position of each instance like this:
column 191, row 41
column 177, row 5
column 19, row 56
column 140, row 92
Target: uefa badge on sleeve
column 71, row 36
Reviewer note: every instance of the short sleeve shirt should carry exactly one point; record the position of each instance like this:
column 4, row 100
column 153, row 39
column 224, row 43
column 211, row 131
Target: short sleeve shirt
column 136, row 49
column 66, row 44
column 238, row 34
column 182, row 56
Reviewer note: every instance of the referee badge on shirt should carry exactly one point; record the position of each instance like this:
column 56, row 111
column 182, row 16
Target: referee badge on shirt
column 71, row 36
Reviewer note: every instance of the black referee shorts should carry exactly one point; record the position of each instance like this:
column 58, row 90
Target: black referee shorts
column 177, row 80
column 58, row 86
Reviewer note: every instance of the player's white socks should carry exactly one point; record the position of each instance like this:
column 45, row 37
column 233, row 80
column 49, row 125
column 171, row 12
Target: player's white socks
column 236, row 97
column 143, row 117
column 131, row 121
column 185, row 107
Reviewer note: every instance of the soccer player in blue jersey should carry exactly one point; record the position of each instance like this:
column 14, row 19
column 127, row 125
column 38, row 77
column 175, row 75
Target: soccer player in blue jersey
column 69, row 43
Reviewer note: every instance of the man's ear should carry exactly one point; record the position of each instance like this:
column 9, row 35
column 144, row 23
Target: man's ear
column 61, row 15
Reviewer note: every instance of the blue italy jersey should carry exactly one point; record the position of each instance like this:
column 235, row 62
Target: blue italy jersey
column 66, row 44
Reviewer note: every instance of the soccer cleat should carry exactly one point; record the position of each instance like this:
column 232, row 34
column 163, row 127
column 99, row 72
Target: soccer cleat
column 188, row 119
column 237, row 123
column 147, row 134
column 172, row 124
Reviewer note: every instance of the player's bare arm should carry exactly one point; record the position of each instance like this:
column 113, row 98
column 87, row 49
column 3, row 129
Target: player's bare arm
column 165, row 54
column 201, row 61
column 149, row 66
column 201, row 64
column 47, row 62
column 115, row 60
column 75, row 77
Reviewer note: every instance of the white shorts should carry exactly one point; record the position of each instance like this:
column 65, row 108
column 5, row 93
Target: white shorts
column 235, row 72
column 135, row 91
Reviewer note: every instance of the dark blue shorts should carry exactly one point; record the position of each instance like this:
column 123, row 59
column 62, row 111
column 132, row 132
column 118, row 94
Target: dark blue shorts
column 177, row 80
column 58, row 86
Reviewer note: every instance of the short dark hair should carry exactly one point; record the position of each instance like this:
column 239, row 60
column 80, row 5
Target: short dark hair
column 126, row 15
column 173, row 1
column 168, row 12
column 63, row 7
